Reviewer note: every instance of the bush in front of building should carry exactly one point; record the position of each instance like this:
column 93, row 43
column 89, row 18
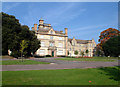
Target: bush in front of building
column 48, row 56
column 38, row 56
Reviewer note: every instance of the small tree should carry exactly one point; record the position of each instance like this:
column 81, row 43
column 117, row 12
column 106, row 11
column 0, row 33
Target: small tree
column 76, row 52
column 82, row 53
column 87, row 52
column 23, row 45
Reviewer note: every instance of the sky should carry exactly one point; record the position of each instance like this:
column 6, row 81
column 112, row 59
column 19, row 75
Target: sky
column 84, row 20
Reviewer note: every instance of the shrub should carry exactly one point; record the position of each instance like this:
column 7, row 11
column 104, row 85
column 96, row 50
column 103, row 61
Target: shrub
column 48, row 56
column 15, row 54
column 37, row 56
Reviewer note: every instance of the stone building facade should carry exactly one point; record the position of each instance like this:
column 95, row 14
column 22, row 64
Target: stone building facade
column 81, row 46
column 56, row 43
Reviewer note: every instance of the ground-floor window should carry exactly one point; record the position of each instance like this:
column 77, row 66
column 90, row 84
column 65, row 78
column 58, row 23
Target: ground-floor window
column 42, row 52
column 60, row 52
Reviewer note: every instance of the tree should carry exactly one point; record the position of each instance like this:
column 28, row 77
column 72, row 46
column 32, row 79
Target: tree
column 10, row 29
column 82, row 53
column 112, row 47
column 99, row 50
column 12, row 35
column 76, row 52
column 107, row 34
column 23, row 46
column 87, row 52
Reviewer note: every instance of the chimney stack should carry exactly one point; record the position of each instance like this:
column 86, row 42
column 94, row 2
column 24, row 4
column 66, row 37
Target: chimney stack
column 66, row 31
column 35, row 27
column 49, row 25
column 41, row 21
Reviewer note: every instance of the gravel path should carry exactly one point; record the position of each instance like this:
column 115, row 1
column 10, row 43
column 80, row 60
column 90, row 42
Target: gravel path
column 58, row 64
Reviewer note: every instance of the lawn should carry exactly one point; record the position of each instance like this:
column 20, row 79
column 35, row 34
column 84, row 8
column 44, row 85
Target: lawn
column 96, row 76
column 19, row 62
column 104, row 59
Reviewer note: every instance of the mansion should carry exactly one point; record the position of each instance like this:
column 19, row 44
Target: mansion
column 57, row 43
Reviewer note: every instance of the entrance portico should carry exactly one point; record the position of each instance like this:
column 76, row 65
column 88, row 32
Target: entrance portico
column 52, row 51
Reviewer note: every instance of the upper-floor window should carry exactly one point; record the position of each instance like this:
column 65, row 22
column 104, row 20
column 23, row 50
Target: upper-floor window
column 60, row 44
column 60, row 38
column 73, row 43
column 41, row 36
column 51, row 32
column 51, row 37
column 42, row 43
column 51, row 44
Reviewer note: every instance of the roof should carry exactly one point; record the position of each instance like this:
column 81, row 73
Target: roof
column 80, row 41
column 47, row 30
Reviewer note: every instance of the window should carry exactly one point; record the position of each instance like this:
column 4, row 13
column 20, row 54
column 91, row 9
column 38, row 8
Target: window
column 51, row 32
column 42, row 52
column 51, row 37
column 42, row 43
column 60, row 52
column 51, row 44
column 41, row 36
column 60, row 44
column 74, row 43
column 60, row 38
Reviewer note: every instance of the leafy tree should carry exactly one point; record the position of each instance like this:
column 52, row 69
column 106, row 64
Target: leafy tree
column 82, row 53
column 107, row 34
column 76, row 52
column 112, row 47
column 87, row 52
column 10, row 29
column 12, row 35
column 23, row 46
column 99, row 50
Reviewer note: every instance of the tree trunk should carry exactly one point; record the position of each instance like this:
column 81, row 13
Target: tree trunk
column 21, row 57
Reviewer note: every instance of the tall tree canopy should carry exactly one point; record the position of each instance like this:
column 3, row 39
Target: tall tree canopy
column 112, row 47
column 105, row 36
column 13, row 33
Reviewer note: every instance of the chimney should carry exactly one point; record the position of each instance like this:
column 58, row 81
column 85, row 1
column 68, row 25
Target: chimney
column 41, row 21
column 35, row 27
column 49, row 25
column 66, row 31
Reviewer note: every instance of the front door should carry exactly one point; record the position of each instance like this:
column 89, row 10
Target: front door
column 52, row 53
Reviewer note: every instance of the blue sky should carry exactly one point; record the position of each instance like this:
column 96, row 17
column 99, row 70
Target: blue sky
column 84, row 20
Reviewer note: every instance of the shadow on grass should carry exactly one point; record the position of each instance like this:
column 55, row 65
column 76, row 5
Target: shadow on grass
column 113, row 72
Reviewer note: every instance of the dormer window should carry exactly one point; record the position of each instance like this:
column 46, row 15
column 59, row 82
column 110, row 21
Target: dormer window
column 51, row 32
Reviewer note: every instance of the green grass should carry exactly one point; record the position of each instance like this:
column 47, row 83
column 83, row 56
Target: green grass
column 19, row 62
column 104, row 59
column 97, row 76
